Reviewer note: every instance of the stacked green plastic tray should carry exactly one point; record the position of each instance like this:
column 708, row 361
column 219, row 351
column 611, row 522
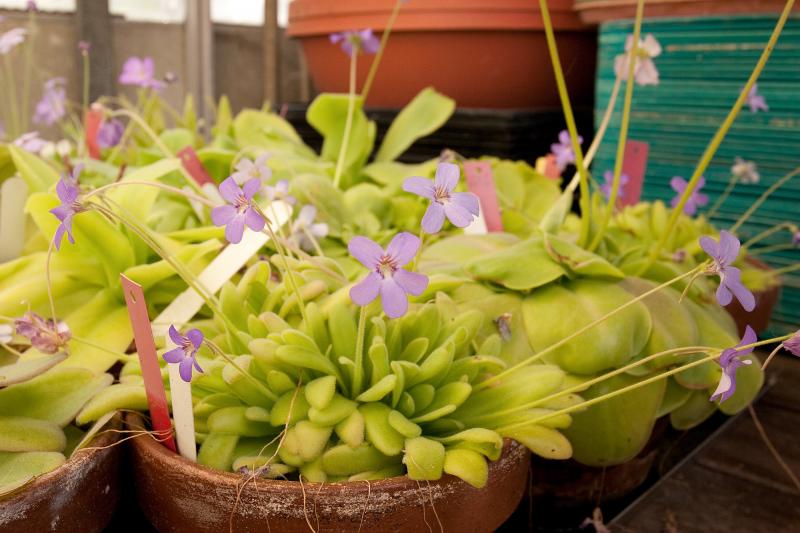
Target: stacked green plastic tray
column 704, row 64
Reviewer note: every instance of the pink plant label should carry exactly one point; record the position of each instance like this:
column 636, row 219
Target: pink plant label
column 194, row 167
column 151, row 371
column 92, row 121
column 634, row 165
column 480, row 182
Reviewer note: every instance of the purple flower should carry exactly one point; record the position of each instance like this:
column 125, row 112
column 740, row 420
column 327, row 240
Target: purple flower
column 563, row 150
column 140, row 72
column 110, row 133
column 459, row 207
column 730, row 361
column 11, row 38
column 755, row 100
column 240, row 211
column 796, row 238
column 186, row 351
column 724, row 253
column 246, row 169
column 30, row 142
column 52, row 107
column 46, row 335
column 644, row 70
column 280, row 192
column 30, row 5
column 357, row 41
column 793, row 343
column 608, row 182
column 84, row 47
column 696, row 199
column 387, row 278
column 304, row 229
column 67, row 190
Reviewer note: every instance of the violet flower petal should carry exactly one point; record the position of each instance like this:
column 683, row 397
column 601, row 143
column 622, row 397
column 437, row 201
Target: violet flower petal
column 411, row 282
column 176, row 355
column 195, row 336
column 403, row 248
column 366, row 251
column 229, row 190
column 367, row 289
column 457, row 215
column 254, row 220
column 447, row 176
column 185, row 369
column 420, row 186
column 175, row 336
column 235, row 229
column 433, row 220
column 223, row 214
column 468, row 201
column 251, row 187
column 733, row 282
column 393, row 298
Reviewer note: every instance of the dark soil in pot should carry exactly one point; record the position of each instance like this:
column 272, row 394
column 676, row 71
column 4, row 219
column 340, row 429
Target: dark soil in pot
column 178, row 495
column 79, row 496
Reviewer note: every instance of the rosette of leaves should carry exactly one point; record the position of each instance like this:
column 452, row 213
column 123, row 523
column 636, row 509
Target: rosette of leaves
column 298, row 399
column 546, row 288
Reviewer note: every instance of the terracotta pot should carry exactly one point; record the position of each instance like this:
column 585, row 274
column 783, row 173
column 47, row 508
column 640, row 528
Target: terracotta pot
column 597, row 11
column 482, row 54
column 178, row 495
column 80, row 495
column 766, row 300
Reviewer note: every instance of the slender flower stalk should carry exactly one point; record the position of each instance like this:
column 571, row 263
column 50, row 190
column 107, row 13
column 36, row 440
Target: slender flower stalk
column 742, row 171
column 358, row 370
column 373, row 68
column 634, row 386
column 763, row 198
column 715, row 142
column 535, row 357
column 348, row 125
column 623, row 130
column 570, row 120
column 770, row 231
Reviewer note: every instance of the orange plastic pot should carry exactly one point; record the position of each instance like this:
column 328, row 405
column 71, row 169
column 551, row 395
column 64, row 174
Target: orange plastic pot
column 482, row 54
column 597, row 11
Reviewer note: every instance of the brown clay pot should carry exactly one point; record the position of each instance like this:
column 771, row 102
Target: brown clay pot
column 80, row 495
column 482, row 54
column 766, row 300
column 598, row 11
column 177, row 495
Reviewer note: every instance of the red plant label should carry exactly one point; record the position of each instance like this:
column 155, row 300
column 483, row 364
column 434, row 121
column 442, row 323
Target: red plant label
column 194, row 167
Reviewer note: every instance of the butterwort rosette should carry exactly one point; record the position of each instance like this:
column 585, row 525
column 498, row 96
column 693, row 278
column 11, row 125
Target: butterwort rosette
column 460, row 208
column 730, row 361
column 724, row 254
column 68, row 192
column 239, row 211
column 696, row 199
column 387, row 278
column 185, row 355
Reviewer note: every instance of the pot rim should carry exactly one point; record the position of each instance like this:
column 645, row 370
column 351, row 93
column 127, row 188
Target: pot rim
column 100, row 444
column 308, row 18
column 511, row 448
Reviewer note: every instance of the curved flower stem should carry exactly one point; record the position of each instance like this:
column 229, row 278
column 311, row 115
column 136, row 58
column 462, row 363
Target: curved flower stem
column 623, row 131
column 585, row 203
column 586, row 384
column 373, row 68
column 485, row 383
column 314, row 242
column 348, row 125
column 201, row 199
column 715, row 142
column 358, row 370
column 774, row 248
column 216, row 350
column 48, row 280
column 634, row 386
column 724, row 196
column 771, row 356
column 12, row 95
column 13, row 351
column 767, row 232
column 772, row 449
column 282, row 253
column 763, row 198
column 786, row 269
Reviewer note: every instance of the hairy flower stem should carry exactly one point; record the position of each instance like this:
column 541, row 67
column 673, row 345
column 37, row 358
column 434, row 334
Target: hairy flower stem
column 358, row 370
column 713, row 145
column 216, row 350
column 157, row 141
column 770, row 231
column 585, row 203
column 288, row 270
column 12, row 95
column 201, row 199
column 623, row 131
column 771, row 356
column 586, row 384
column 724, row 196
column 373, row 68
column 763, row 198
column 485, row 383
column 634, row 386
column 772, row 449
column 348, row 125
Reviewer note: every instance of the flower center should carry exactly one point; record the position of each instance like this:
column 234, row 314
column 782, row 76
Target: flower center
column 241, row 203
column 386, row 266
column 187, row 346
column 441, row 195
